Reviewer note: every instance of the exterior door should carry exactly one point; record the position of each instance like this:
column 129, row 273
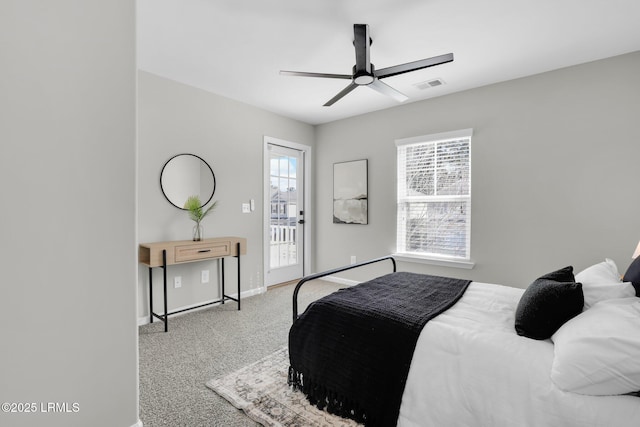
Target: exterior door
column 285, row 209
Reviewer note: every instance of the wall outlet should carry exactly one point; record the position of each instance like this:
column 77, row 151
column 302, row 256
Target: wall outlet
column 353, row 259
column 246, row 208
column 204, row 276
column 177, row 282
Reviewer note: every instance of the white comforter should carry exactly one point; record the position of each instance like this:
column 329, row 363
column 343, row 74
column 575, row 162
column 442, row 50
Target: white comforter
column 470, row 368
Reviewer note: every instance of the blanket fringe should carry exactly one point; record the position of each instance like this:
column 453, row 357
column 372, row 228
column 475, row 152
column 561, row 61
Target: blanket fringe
column 329, row 400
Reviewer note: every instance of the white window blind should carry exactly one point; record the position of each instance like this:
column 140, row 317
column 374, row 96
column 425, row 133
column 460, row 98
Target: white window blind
column 434, row 195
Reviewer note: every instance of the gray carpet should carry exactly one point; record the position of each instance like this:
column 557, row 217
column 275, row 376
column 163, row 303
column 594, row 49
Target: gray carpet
column 202, row 345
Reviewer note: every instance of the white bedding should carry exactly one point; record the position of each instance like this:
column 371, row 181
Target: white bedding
column 470, row 368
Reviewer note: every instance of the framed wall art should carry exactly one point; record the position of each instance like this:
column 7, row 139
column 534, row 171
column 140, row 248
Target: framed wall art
column 350, row 192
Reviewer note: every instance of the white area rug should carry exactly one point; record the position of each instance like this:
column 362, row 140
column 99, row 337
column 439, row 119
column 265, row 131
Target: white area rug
column 261, row 391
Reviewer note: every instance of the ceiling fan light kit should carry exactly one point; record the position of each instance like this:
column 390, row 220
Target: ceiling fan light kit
column 365, row 74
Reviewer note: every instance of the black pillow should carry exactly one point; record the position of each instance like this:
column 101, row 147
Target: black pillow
column 562, row 275
column 633, row 275
column 548, row 303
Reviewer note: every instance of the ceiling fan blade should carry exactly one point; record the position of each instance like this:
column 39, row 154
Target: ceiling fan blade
column 305, row 74
column 413, row 66
column 385, row 89
column 342, row 93
column 362, row 43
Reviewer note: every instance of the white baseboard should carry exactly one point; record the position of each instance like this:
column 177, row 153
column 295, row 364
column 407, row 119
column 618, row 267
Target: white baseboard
column 340, row 280
column 138, row 424
column 245, row 294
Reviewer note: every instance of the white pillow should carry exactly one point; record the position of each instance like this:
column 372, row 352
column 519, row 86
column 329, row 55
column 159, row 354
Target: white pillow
column 598, row 351
column 604, row 272
column 594, row 293
column 602, row 282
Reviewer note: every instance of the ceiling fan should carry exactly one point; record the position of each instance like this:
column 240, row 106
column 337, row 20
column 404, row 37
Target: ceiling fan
column 364, row 74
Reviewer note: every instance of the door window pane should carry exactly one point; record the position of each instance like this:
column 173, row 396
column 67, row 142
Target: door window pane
column 284, row 213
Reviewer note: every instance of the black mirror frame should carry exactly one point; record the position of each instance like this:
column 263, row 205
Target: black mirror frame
column 203, row 161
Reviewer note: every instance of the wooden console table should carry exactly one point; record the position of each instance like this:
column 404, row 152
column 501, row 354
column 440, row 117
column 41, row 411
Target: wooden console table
column 163, row 254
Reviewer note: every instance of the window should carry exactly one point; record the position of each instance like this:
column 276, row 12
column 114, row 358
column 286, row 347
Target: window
column 434, row 196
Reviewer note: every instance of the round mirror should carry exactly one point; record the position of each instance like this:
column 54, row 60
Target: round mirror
column 186, row 175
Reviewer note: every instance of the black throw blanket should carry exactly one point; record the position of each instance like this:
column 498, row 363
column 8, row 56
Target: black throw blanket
column 350, row 351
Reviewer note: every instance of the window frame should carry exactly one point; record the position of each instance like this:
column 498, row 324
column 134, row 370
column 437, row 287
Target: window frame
column 424, row 257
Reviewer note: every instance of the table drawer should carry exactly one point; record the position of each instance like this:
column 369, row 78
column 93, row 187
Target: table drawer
column 204, row 250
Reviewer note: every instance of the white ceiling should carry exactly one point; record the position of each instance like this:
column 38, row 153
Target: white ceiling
column 235, row 48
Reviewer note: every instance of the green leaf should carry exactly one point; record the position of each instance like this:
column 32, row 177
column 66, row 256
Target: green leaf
column 194, row 206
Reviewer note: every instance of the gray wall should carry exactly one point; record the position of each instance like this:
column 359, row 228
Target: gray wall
column 175, row 118
column 67, row 178
column 554, row 172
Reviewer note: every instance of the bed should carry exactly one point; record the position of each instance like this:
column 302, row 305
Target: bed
column 470, row 366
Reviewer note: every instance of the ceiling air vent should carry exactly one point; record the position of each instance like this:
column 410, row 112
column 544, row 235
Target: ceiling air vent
column 429, row 83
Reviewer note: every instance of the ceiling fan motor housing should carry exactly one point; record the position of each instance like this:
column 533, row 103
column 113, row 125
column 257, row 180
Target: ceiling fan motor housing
column 363, row 77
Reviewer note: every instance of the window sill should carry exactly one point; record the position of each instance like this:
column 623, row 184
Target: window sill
column 445, row 262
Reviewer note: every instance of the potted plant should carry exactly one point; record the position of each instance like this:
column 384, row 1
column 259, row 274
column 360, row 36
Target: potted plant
column 197, row 214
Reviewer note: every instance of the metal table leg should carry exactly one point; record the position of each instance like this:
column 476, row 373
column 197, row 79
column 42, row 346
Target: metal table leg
column 150, row 295
column 164, row 269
